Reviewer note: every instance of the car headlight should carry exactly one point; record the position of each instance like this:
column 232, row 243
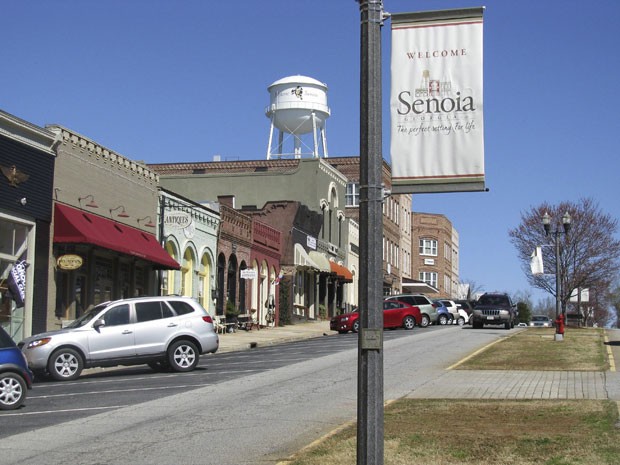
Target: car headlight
column 346, row 318
column 39, row 342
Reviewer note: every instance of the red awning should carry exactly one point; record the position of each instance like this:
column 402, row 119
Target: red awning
column 342, row 272
column 73, row 226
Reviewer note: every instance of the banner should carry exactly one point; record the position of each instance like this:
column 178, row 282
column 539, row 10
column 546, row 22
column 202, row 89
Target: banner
column 436, row 105
column 536, row 262
column 17, row 281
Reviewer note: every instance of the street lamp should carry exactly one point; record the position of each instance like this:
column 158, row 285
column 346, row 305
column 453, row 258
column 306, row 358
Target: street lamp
column 566, row 223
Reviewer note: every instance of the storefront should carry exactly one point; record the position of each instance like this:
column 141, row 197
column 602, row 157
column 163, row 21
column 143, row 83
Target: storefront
column 189, row 231
column 105, row 243
column 99, row 259
column 26, row 177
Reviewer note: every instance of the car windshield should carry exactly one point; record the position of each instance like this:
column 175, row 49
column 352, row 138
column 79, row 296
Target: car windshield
column 87, row 317
column 540, row 318
column 493, row 300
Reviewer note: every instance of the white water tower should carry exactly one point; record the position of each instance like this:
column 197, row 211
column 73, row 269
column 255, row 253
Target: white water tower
column 298, row 109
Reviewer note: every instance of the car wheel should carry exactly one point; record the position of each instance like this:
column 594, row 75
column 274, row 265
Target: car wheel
column 183, row 356
column 12, row 391
column 342, row 332
column 443, row 319
column 507, row 325
column 65, row 365
column 409, row 322
column 461, row 321
column 356, row 326
column 425, row 321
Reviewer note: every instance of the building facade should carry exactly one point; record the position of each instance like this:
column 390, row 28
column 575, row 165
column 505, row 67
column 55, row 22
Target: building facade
column 396, row 241
column 314, row 183
column 27, row 160
column 104, row 242
column 189, row 233
column 436, row 260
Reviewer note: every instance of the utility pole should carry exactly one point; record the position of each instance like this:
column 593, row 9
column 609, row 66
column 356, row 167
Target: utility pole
column 370, row 343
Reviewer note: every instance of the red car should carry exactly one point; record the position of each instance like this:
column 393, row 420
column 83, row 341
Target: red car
column 396, row 314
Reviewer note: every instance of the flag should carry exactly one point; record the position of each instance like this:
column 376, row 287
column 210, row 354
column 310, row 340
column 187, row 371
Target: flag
column 17, row 280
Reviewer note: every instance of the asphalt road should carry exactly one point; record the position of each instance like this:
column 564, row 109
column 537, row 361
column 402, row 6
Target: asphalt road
column 255, row 406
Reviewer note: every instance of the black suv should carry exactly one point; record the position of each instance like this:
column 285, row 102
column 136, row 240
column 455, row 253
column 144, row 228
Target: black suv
column 494, row 309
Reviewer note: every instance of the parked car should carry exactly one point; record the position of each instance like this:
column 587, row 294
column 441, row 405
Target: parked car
column 396, row 314
column 494, row 308
column 345, row 322
column 164, row 332
column 452, row 308
column 465, row 305
column 15, row 376
column 445, row 317
column 428, row 308
column 541, row 321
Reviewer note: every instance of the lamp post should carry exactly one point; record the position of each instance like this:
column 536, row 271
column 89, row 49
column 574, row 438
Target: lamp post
column 566, row 223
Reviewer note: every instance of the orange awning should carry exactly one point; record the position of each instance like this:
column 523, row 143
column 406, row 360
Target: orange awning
column 342, row 272
column 73, row 226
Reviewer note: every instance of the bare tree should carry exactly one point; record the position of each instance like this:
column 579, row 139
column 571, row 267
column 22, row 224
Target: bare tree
column 470, row 288
column 589, row 253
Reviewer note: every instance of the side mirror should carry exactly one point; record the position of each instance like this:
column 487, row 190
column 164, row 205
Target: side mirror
column 98, row 324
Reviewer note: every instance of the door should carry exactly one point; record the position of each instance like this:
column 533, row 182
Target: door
column 116, row 338
column 156, row 324
column 391, row 314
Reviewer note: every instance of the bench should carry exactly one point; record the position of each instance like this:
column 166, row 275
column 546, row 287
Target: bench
column 247, row 322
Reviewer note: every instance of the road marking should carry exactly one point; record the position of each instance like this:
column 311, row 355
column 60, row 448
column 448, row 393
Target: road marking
column 114, row 391
column 63, row 411
column 610, row 354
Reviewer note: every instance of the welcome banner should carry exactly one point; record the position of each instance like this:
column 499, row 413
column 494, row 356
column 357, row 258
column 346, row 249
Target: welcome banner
column 436, row 102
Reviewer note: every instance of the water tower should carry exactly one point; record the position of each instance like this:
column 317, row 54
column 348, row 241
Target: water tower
column 298, row 109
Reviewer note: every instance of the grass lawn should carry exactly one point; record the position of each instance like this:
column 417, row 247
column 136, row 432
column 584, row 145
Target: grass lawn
column 498, row 432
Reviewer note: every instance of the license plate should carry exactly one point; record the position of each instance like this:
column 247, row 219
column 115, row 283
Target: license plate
column 490, row 317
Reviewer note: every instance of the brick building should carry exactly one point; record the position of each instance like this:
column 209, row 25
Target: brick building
column 435, row 260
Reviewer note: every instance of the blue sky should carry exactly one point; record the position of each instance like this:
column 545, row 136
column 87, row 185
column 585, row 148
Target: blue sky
column 165, row 81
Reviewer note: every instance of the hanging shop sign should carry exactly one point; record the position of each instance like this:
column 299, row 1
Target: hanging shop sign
column 249, row 273
column 436, row 102
column 69, row 262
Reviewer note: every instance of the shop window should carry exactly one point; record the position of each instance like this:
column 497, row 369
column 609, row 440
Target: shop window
column 187, row 273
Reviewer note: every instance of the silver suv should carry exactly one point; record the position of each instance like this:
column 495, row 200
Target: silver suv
column 165, row 332
column 428, row 309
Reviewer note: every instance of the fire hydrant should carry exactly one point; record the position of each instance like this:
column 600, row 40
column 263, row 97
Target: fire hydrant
column 559, row 324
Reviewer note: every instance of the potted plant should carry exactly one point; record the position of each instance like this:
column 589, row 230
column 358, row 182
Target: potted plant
column 231, row 312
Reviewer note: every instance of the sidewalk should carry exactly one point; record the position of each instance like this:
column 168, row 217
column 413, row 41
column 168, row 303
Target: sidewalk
column 463, row 384
column 243, row 340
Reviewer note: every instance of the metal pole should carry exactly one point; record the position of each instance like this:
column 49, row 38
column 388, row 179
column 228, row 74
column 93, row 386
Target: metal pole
column 370, row 343
column 558, row 278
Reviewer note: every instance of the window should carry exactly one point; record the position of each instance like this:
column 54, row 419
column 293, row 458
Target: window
column 147, row 311
column 180, row 307
column 352, row 197
column 429, row 277
column 117, row 316
column 187, row 274
column 428, row 247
